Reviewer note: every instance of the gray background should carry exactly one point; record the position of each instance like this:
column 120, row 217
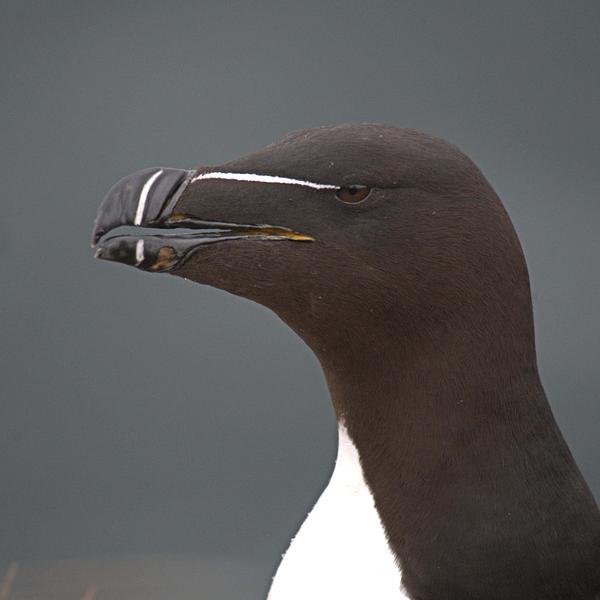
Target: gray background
column 142, row 414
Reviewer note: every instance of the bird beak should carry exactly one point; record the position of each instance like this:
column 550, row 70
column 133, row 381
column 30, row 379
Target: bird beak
column 140, row 199
column 147, row 199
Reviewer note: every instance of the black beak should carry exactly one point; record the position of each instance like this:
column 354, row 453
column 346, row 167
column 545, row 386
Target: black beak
column 148, row 199
column 140, row 199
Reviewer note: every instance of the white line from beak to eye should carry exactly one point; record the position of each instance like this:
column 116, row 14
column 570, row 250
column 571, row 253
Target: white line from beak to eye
column 139, row 213
column 265, row 179
column 139, row 252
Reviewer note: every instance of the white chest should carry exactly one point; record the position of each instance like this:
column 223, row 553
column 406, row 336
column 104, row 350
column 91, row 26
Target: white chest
column 340, row 551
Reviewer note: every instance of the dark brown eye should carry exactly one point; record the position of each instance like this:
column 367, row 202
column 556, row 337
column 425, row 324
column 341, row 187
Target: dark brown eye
column 353, row 193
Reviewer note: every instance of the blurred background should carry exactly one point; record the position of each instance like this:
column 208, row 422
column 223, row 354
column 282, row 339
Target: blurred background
column 183, row 473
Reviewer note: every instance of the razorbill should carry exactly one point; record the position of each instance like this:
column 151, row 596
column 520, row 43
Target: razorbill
column 389, row 253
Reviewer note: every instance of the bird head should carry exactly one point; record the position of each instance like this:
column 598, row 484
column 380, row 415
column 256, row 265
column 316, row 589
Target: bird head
column 340, row 230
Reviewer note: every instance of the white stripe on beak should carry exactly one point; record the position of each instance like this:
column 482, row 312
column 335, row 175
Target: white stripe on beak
column 139, row 213
column 139, row 252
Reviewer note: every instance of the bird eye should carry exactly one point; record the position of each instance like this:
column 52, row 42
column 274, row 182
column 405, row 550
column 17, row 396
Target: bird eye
column 353, row 193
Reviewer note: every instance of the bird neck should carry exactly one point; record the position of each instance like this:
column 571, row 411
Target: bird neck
column 476, row 488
